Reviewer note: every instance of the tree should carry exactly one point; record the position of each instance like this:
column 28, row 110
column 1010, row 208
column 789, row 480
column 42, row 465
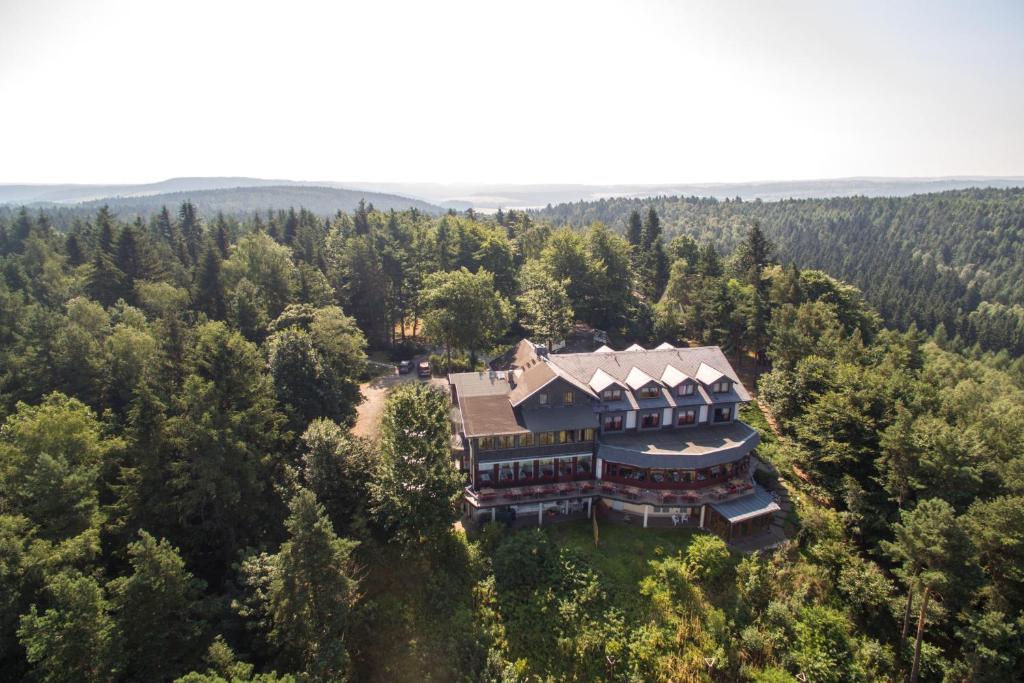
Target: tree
column 754, row 254
column 634, row 229
column 338, row 468
column 224, row 435
column 50, row 460
column 463, row 310
column 932, row 550
column 417, row 485
column 75, row 639
column 311, row 593
column 267, row 265
column 209, row 295
column 159, row 609
column 547, row 311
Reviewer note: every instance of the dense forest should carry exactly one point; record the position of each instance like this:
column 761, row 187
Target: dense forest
column 954, row 258
column 181, row 498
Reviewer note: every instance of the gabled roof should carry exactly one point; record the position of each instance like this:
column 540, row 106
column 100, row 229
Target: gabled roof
column 635, row 347
column 663, row 346
column 708, row 375
column 538, row 374
column 638, row 378
column 602, row 380
column 673, row 376
column 618, row 364
column 604, row 348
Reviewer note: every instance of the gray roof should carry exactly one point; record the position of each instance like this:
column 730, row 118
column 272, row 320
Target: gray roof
column 683, row 448
column 559, row 417
column 758, row 503
column 490, row 383
column 652, row 362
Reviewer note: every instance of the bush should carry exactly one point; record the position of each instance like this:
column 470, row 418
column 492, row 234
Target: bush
column 460, row 363
column 708, row 557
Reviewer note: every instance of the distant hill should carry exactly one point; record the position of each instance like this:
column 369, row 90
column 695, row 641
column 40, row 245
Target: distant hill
column 492, row 196
column 489, row 197
column 242, row 200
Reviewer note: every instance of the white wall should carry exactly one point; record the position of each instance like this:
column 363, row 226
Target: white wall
column 631, row 419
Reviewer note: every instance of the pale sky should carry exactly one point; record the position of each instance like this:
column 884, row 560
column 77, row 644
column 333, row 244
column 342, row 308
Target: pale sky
column 520, row 92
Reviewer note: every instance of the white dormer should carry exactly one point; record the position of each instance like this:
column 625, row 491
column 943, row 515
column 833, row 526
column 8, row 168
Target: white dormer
column 713, row 379
column 664, row 346
column 635, row 347
column 605, row 349
column 673, row 377
column 643, row 384
column 606, row 386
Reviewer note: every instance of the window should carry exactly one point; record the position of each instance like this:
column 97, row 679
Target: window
column 612, row 423
column 583, row 466
column 506, row 441
column 565, row 467
column 505, row 472
column 613, row 394
column 547, row 467
column 484, row 476
column 546, row 438
column 721, row 386
column 650, row 391
column 525, row 440
column 723, row 414
column 485, row 443
column 650, row 420
column 586, row 434
column 685, row 389
column 568, row 398
column 526, row 470
column 686, row 417
column 542, row 398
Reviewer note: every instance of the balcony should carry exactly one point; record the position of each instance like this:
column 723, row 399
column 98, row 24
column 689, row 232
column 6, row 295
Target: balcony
column 490, row 497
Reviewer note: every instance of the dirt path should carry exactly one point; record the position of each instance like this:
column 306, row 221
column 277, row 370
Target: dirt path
column 375, row 393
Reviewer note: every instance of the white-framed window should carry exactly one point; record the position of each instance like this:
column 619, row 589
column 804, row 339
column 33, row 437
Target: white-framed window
column 650, row 420
column 612, row 423
column 721, row 386
column 685, row 389
column 612, row 394
column 687, row 416
column 650, row 391
column 542, row 398
column 723, row 414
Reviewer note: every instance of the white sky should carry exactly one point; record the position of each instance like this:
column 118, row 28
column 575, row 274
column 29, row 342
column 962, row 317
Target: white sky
column 521, row 91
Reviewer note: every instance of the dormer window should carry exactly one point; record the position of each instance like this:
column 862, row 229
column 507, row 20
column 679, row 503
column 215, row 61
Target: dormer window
column 721, row 386
column 685, row 389
column 613, row 394
column 568, row 398
column 650, row 391
column 542, row 398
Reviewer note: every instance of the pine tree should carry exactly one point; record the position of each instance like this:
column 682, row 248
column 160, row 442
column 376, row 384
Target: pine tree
column 159, row 608
column 310, row 595
column 209, row 286
column 634, row 229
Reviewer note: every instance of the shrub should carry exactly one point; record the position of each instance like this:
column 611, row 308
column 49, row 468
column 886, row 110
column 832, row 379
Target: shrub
column 708, row 557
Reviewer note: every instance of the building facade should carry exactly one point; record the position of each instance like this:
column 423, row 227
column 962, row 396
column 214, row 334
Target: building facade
column 645, row 435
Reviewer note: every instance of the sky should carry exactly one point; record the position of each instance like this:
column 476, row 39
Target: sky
column 509, row 92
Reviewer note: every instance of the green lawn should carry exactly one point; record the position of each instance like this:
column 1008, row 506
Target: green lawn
column 623, row 556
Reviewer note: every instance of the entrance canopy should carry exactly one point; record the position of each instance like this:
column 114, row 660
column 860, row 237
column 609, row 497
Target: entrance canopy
column 757, row 504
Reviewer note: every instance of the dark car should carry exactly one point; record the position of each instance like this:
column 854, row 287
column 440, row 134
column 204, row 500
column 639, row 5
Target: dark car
column 423, row 370
column 405, row 367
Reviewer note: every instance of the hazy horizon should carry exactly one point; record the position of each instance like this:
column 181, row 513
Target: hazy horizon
column 592, row 93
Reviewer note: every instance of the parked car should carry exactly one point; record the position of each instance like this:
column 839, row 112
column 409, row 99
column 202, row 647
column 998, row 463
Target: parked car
column 405, row 367
column 424, row 369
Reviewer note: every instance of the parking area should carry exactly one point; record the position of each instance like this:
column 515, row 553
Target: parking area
column 375, row 393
